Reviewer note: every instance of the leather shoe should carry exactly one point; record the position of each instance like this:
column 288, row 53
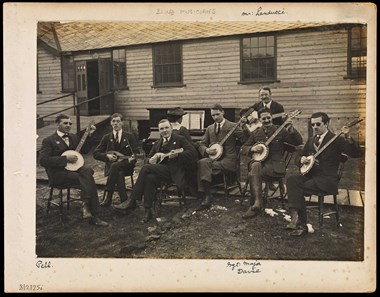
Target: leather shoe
column 129, row 204
column 107, row 201
column 86, row 212
column 98, row 222
column 206, row 201
column 293, row 224
column 148, row 215
column 251, row 212
column 299, row 232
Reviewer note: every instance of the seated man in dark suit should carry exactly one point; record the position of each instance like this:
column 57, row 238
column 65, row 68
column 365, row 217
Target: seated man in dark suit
column 323, row 176
column 51, row 158
column 167, row 162
column 117, row 166
column 207, row 167
column 272, row 166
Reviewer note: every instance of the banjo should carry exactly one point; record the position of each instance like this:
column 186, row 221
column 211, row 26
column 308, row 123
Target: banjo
column 80, row 162
column 260, row 157
column 312, row 159
column 219, row 146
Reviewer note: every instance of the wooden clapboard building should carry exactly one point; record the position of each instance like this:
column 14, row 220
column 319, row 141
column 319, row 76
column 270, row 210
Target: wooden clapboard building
column 154, row 65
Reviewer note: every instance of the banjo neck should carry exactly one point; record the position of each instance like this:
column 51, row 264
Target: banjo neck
column 354, row 122
column 273, row 136
column 84, row 137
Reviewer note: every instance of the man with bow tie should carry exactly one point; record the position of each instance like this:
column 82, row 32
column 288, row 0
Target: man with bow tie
column 322, row 178
column 164, row 165
column 51, row 158
column 117, row 168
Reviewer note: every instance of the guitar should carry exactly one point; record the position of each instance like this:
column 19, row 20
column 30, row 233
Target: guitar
column 312, row 159
column 164, row 156
column 218, row 147
column 260, row 157
column 80, row 162
column 254, row 122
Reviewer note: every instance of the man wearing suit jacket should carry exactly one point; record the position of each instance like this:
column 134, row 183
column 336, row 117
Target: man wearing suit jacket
column 116, row 168
column 272, row 166
column 322, row 177
column 165, row 165
column 266, row 101
column 51, row 158
column 229, row 160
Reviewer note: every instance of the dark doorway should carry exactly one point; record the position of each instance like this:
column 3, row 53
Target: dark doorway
column 93, row 87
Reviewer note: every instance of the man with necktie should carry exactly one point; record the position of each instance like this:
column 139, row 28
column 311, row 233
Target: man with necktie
column 117, row 168
column 51, row 158
column 208, row 167
column 165, row 164
column 323, row 177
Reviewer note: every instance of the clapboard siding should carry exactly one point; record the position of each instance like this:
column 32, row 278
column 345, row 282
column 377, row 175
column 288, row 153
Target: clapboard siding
column 311, row 71
column 49, row 73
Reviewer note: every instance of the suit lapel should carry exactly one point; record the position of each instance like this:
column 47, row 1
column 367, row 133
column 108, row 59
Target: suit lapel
column 60, row 142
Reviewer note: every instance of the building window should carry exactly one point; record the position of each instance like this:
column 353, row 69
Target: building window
column 357, row 51
column 258, row 59
column 119, row 69
column 167, row 63
column 68, row 73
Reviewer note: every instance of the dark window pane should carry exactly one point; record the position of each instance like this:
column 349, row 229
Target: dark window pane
column 262, row 41
column 270, row 40
column 79, row 83
column 167, row 65
column 357, row 52
column 119, row 68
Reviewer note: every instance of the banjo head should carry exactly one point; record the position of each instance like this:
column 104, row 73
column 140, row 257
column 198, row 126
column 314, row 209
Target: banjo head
column 260, row 156
column 78, row 164
column 305, row 168
column 219, row 151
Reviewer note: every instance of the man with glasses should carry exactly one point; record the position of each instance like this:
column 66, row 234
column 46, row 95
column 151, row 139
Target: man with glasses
column 208, row 167
column 117, row 165
column 51, row 158
column 322, row 177
column 273, row 165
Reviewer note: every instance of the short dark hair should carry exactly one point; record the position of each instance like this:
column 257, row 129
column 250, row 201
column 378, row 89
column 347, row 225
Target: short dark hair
column 323, row 115
column 61, row 117
column 262, row 110
column 115, row 115
column 266, row 88
column 217, row 106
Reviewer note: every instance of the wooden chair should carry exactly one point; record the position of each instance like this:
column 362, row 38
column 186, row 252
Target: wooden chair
column 321, row 197
column 287, row 157
column 61, row 202
column 163, row 195
column 132, row 185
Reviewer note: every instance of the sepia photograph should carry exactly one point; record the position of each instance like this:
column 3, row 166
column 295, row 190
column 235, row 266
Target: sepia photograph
column 186, row 147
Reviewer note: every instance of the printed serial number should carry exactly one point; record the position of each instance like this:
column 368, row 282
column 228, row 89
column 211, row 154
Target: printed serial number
column 24, row 287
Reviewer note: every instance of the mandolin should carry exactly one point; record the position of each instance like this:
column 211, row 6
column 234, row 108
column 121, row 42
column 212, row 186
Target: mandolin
column 80, row 162
column 312, row 159
column 164, row 156
column 260, row 157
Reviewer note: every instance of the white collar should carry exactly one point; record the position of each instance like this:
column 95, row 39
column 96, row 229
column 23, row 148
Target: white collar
column 60, row 134
column 322, row 136
column 268, row 104
column 221, row 123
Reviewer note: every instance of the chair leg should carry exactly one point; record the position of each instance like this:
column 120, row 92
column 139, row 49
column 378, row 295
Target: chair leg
column 336, row 210
column 265, row 194
column 68, row 198
column 49, row 199
column 320, row 209
column 226, row 194
column 282, row 192
column 61, row 203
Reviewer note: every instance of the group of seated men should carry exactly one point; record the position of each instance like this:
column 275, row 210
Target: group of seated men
column 175, row 158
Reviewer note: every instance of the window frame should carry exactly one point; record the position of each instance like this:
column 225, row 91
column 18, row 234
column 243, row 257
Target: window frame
column 154, row 64
column 125, row 82
column 360, row 74
column 265, row 80
column 63, row 69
